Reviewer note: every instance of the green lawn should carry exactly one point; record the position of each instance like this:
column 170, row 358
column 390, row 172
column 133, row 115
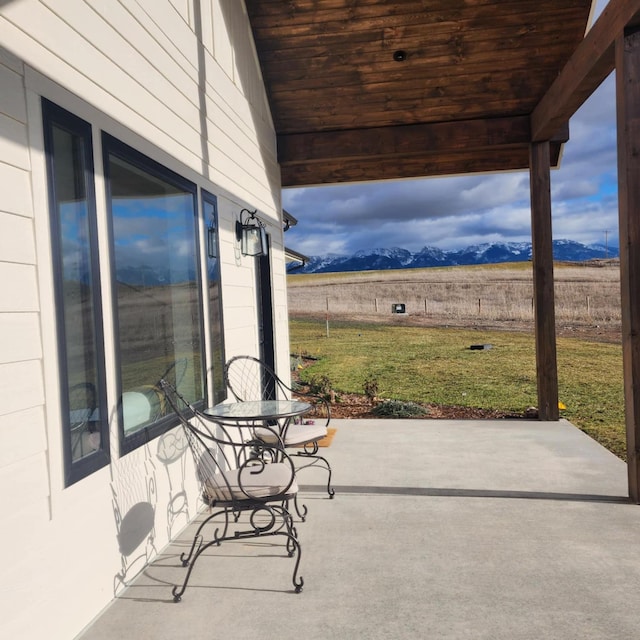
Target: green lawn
column 436, row 366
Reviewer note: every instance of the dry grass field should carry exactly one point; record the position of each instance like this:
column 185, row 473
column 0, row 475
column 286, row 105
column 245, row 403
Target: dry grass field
column 491, row 296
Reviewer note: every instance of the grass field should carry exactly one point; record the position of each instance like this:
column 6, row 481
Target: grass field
column 434, row 364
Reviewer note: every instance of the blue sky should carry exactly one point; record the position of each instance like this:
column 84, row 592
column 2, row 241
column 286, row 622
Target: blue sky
column 455, row 212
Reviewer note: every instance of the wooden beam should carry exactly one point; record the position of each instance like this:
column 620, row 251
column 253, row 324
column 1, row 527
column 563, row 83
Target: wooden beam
column 628, row 113
column 419, row 165
column 544, row 302
column 592, row 61
column 407, row 139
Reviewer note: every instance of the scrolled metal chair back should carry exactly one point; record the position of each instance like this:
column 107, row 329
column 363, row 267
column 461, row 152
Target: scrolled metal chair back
column 219, row 450
column 251, row 379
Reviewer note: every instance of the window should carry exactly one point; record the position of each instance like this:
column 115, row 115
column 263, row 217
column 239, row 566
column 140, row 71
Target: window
column 156, row 287
column 214, row 287
column 157, row 292
column 69, row 159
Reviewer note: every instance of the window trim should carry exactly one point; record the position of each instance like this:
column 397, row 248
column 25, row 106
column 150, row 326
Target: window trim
column 206, row 197
column 113, row 146
column 53, row 115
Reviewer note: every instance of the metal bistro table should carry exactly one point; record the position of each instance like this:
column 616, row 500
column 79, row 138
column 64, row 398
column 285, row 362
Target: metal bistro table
column 266, row 412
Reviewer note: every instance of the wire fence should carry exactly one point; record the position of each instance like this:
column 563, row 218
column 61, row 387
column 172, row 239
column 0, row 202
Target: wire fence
column 576, row 300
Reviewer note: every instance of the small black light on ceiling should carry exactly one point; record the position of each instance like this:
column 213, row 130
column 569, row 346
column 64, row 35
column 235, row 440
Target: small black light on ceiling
column 400, row 55
column 252, row 235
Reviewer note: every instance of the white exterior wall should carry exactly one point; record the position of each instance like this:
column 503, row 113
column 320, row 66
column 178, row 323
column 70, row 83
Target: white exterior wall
column 184, row 89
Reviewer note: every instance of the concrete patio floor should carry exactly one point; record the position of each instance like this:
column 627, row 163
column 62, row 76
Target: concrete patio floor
column 507, row 529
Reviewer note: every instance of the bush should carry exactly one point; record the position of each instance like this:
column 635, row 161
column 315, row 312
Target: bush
column 399, row 409
column 371, row 388
column 321, row 386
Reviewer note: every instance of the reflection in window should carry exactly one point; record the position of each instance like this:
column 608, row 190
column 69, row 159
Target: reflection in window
column 215, row 297
column 74, row 250
column 156, row 283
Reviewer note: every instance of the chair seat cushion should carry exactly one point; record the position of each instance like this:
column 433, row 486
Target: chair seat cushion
column 252, row 482
column 296, row 434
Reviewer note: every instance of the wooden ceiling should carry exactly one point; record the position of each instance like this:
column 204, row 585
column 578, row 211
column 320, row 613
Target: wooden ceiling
column 461, row 101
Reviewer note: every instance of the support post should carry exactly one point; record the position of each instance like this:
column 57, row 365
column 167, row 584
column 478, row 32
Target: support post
column 628, row 116
column 544, row 299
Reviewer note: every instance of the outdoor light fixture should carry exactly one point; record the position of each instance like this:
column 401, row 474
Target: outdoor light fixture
column 399, row 55
column 251, row 234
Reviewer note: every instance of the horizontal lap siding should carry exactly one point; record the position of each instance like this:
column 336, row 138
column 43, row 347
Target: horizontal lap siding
column 139, row 63
column 17, row 199
column 24, row 481
column 18, row 443
column 20, row 341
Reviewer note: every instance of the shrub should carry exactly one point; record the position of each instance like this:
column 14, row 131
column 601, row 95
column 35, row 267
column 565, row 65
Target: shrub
column 321, row 386
column 371, row 388
column 399, row 409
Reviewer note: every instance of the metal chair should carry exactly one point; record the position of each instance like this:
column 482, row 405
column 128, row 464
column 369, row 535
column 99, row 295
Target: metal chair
column 238, row 475
column 249, row 378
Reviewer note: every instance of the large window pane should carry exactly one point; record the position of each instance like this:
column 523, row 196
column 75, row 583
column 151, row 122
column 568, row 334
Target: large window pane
column 74, row 250
column 156, row 283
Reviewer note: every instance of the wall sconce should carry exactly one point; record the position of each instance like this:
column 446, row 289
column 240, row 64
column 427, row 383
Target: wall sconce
column 212, row 240
column 252, row 235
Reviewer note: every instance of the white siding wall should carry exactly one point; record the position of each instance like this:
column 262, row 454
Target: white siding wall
column 23, row 442
column 141, row 62
column 184, row 88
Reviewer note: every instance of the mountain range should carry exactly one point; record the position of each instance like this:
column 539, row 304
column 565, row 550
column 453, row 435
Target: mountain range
column 489, row 253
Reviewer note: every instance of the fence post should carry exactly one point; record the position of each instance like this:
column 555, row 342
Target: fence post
column 327, row 316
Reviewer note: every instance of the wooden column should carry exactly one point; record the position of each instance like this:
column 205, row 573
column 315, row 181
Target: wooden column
column 544, row 300
column 628, row 108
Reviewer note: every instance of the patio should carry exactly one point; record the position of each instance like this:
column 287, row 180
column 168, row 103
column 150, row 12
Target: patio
column 440, row 529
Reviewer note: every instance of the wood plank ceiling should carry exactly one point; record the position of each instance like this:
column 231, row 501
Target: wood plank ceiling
column 345, row 109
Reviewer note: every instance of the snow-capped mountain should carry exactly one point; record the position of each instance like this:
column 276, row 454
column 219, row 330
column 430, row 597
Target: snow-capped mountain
column 490, row 253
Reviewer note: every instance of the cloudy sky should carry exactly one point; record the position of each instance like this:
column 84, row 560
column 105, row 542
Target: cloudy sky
column 452, row 213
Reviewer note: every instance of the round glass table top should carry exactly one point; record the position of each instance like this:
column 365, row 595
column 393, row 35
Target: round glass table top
column 259, row 410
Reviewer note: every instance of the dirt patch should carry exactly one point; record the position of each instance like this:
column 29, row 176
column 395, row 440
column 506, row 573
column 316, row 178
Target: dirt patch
column 360, row 406
column 351, row 405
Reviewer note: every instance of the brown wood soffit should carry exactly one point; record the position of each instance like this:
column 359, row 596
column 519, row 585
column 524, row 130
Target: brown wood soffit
column 410, row 150
column 461, row 101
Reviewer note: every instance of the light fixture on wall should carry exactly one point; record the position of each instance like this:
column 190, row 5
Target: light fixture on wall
column 251, row 234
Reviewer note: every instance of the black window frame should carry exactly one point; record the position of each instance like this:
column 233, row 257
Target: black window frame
column 113, row 146
column 55, row 116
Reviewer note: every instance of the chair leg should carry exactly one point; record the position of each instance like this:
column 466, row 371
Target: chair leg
column 279, row 523
column 297, row 581
column 322, row 461
column 301, row 510
column 198, row 538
